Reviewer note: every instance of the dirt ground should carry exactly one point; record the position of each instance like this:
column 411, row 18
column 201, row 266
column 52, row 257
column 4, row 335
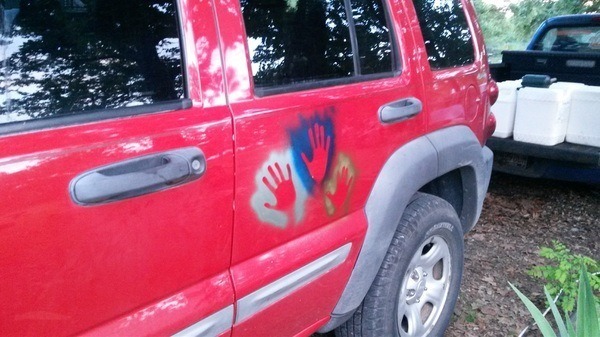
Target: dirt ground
column 518, row 217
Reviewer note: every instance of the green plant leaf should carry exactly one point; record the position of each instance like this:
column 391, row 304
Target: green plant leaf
column 563, row 277
column 537, row 315
column 587, row 317
column 570, row 327
column 569, row 303
column 562, row 329
column 563, row 272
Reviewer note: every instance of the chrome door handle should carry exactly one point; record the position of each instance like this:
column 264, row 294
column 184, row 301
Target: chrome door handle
column 138, row 176
column 400, row 110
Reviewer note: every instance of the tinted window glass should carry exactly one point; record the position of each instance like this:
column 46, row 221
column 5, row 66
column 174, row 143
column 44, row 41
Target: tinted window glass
column 64, row 56
column 293, row 41
column 446, row 33
column 373, row 35
column 585, row 39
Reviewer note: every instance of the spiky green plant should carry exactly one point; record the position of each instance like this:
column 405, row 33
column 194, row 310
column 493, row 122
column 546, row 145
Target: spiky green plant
column 587, row 320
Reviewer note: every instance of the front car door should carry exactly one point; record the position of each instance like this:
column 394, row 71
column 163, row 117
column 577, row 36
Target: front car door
column 116, row 170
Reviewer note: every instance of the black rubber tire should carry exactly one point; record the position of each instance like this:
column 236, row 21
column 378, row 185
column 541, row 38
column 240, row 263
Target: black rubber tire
column 425, row 217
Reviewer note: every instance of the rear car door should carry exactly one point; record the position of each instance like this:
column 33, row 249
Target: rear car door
column 307, row 83
column 116, row 170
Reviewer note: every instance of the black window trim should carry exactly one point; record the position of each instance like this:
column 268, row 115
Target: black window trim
column 396, row 55
column 92, row 116
column 353, row 38
column 309, row 85
column 182, row 47
column 357, row 77
column 89, row 116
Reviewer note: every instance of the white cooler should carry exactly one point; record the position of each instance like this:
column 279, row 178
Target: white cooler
column 505, row 107
column 584, row 119
column 569, row 86
column 542, row 115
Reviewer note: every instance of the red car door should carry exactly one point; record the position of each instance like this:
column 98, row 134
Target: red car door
column 116, row 171
column 314, row 125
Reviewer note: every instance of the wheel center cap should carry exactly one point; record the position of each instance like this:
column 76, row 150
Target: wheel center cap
column 416, row 286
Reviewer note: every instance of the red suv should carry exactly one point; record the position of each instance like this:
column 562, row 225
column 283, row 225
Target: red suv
column 251, row 168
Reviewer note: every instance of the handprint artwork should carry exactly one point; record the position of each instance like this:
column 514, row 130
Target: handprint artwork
column 317, row 166
column 280, row 196
column 288, row 178
column 337, row 189
column 313, row 145
column 283, row 189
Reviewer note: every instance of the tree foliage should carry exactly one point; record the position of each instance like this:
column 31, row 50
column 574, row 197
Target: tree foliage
column 529, row 14
column 497, row 27
column 511, row 27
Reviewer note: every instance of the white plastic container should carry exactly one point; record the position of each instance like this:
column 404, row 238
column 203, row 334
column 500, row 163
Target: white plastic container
column 584, row 119
column 542, row 115
column 505, row 107
column 568, row 86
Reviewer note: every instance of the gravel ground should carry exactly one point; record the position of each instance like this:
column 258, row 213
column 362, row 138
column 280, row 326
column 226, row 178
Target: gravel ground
column 518, row 217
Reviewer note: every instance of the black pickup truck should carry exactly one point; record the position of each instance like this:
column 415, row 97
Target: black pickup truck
column 566, row 48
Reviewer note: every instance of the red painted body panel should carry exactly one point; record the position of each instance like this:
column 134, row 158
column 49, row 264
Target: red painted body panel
column 311, row 303
column 68, row 267
column 158, row 263
column 171, row 314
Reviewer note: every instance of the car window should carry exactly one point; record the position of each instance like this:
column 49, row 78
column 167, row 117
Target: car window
column 313, row 41
column 373, row 35
column 572, row 39
column 297, row 41
column 63, row 57
column 446, row 33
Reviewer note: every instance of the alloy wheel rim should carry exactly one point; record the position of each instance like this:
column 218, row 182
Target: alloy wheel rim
column 425, row 288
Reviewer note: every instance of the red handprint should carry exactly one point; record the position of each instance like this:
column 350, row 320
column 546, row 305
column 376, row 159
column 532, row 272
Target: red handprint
column 344, row 182
column 320, row 152
column 283, row 190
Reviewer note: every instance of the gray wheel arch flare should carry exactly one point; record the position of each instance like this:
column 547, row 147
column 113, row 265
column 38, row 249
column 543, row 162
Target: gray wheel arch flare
column 411, row 167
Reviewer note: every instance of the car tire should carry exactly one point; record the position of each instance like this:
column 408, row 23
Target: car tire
column 417, row 286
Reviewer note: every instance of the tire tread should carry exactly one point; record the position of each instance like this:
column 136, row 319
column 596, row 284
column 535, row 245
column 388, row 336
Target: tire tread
column 372, row 316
